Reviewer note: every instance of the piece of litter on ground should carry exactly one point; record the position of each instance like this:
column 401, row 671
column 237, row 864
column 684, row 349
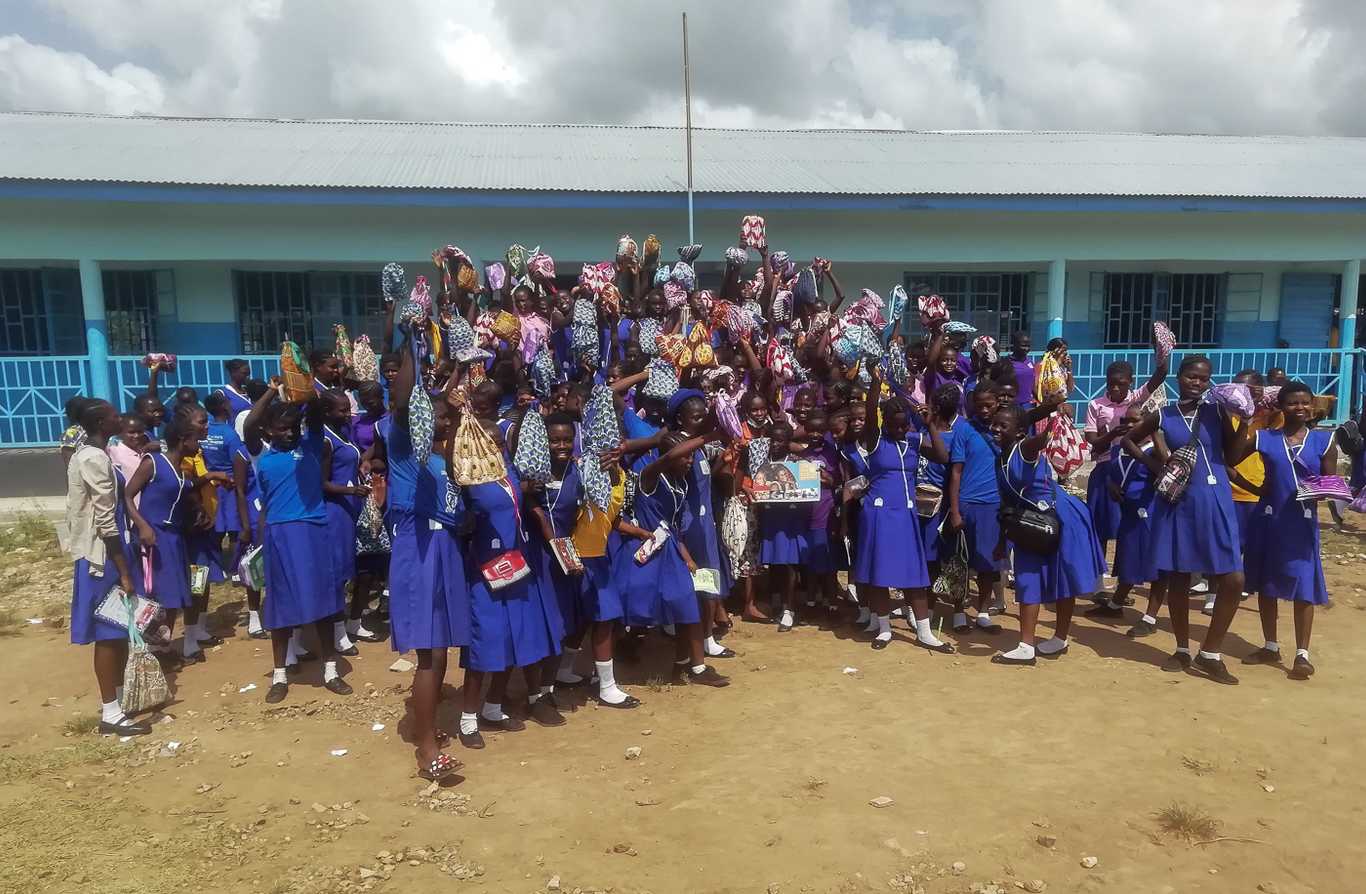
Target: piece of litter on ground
column 339, row 752
column 123, row 739
column 1268, row 788
column 172, row 746
column 376, row 727
column 247, row 688
column 851, row 670
column 35, row 620
column 881, row 801
column 402, row 666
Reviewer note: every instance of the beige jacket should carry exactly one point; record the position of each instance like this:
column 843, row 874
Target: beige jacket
column 91, row 495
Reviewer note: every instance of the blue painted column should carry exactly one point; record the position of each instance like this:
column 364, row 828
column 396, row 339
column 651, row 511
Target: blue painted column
column 96, row 331
column 1347, row 337
column 1057, row 296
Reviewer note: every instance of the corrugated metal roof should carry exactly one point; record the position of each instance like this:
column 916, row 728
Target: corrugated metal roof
column 448, row 156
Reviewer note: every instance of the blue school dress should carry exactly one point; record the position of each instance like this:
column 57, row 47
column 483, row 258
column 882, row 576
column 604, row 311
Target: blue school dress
column 890, row 551
column 162, row 504
column 937, row 475
column 1283, row 558
column 429, row 599
column 253, row 495
column 703, row 538
column 1076, row 567
column 820, row 558
column 518, row 625
column 660, row 591
column 342, row 510
column 560, row 500
column 299, row 584
column 1134, row 562
column 784, row 533
column 88, row 590
column 219, row 447
column 1199, row 533
column 237, row 401
column 855, row 465
column 979, row 498
column 1105, row 512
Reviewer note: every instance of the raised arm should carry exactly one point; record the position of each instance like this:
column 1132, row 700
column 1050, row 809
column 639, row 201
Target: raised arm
column 872, row 431
column 835, row 285
column 251, row 426
column 649, row 476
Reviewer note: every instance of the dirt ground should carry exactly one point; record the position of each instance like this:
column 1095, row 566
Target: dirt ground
column 1003, row 779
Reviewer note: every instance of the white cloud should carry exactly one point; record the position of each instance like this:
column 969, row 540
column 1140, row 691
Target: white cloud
column 1164, row 65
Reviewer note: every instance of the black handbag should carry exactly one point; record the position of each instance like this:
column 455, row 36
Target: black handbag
column 1032, row 527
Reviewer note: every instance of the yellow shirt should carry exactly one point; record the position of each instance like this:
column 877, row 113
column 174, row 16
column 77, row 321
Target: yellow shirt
column 593, row 525
column 1250, row 468
column 208, row 493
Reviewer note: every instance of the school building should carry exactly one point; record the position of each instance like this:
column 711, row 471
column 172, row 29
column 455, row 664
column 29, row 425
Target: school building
column 213, row 238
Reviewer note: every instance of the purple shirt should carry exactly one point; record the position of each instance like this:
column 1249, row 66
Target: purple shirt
column 1024, row 381
column 363, row 430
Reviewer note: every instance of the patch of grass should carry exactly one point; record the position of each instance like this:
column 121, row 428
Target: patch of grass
column 11, row 622
column 1198, row 766
column 29, row 531
column 814, row 784
column 657, row 683
column 1188, row 823
column 51, row 760
column 83, row 725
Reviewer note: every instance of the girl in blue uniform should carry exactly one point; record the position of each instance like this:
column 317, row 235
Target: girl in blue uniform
column 248, row 498
column 298, row 561
column 161, row 502
column 343, row 495
column 854, row 465
column 1057, row 578
column 784, row 533
column 974, row 499
column 553, row 508
column 944, row 404
column 515, row 625
column 660, row 591
column 220, row 444
column 235, row 390
column 890, row 548
column 1199, row 533
column 1283, row 557
column 104, row 559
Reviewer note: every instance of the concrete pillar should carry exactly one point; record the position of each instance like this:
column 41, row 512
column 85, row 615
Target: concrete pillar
column 96, row 331
column 1057, row 296
column 1347, row 337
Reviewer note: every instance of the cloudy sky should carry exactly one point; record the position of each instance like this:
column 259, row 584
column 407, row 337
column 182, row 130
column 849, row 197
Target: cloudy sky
column 1213, row 66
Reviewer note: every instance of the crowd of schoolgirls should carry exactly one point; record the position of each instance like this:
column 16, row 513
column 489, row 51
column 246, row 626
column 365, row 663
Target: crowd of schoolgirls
column 528, row 469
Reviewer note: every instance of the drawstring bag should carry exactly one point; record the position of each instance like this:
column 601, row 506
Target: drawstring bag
column 804, row 290
column 648, row 331
column 1163, row 341
column 532, row 459
column 544, row 374
column 689, row 254
column 650, row 251
column 662, row 273
column 683, row 274
column 458, row 336
column 951, row 585
column 144, row 685
column 393, row 282
column 661, row 379
column 933, row 311
column 542, row 266
column 1050, row 380
column 343, row 345
column 496, row 276
column 1066, row 448
column 516, row 257
column 985, row 347
column 626, row 251
column 584, row 340
column 597, row 484
column 294, row 370
column 476, row 458
column 1234, row 397
column 737, row 255
column 752, row 231
column 610, row 299
column 602, row 429
column 1322, row 487
column 896, row 304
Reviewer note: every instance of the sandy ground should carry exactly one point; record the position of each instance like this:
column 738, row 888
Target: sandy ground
column 1003, row 779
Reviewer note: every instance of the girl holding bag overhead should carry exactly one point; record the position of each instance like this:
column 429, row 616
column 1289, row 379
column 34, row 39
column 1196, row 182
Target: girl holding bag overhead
column 1194, row 529
column 99, row 543
column 1283, row 557
column 1069, row 565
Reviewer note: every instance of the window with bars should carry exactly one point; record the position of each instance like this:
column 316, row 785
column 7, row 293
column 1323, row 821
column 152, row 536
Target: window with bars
column 996, row 303
column 131, row 306
column 305, row 305
column 1188, row 302
column 40, row 312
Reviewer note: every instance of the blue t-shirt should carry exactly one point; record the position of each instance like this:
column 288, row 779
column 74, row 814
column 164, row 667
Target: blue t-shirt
column 937, row 474
column 633, row 427
column 291, row 481
column 398, row 445
column 220, row 446
column 972, row 446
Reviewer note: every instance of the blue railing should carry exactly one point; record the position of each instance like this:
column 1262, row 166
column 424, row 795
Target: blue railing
column 33, row 390
column 33, row 396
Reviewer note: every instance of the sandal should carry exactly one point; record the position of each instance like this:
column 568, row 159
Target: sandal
column 943, row 648
column 443, row 738
column 125, row 727
column 440, row 767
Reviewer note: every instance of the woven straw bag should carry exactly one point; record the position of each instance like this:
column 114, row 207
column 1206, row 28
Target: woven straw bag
column 476, row 458
column 294, row 369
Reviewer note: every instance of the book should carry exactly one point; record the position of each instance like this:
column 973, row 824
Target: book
column 649, row 547
column 706, row 580
column 787, row 481
column 566, row 554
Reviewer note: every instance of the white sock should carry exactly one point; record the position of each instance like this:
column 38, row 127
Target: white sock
column 925, row 633
column 998, row 590
column 863, row 614
column 884, row 628
column 253, row 621
column 190, row 645
column 493, row 711
column 1210, row 656
column 788, row 619
column 1149, row 619
column 711, row 648
column 339, row 637
column 1183, row 650
column 698, row 668
column 353, row 626
column 669, row 629
column 1052, row 646
column 362, row 630
column 1023, row 651
column 469, row 723
column 566, row 674
column 960, row 619
column 110, row 712
column 984, row 618
column 279, row 675
column 871, row 626
column 329, row 670
column 294, row 647
column 1209, row 603
column 898, row 612
column 1272, row 646
column 607, row 683
column 1302, row 653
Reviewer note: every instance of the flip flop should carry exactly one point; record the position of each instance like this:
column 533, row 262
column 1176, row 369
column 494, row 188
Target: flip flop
column 943, row 648
column 440, row 767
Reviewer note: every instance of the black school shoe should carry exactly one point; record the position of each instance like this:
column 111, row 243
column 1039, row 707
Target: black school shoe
column 1214, row 669
column 1263, row 656
column 125, row 727
column 544, row 712
column 1301, row 669
column 1177, row 663
column 1141, row 628
column 707, row 677
column 508, row 724
column 338, row 685
column 276, row 693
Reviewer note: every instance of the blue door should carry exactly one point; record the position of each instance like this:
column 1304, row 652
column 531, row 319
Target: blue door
column 1308, row 309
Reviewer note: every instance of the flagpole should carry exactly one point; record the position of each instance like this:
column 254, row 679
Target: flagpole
column 687, row 119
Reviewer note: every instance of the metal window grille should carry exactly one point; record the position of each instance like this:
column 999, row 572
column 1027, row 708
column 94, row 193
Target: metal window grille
column 130, row 308
column 23, row 327
column 269, row 306
column 996, row 303
column 1188, row 302
column 352, row 299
